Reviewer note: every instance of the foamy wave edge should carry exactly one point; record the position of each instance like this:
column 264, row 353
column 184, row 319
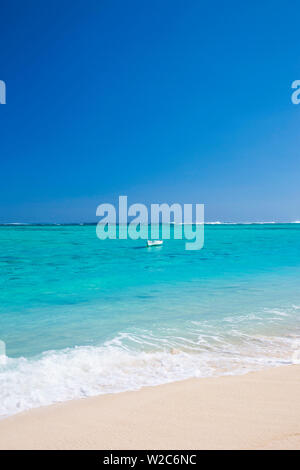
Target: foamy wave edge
column 85, row 371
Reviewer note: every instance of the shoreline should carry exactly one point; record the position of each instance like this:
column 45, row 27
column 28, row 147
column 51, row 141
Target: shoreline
column 257, row 410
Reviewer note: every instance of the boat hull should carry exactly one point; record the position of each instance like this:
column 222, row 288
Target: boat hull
column 154, row 243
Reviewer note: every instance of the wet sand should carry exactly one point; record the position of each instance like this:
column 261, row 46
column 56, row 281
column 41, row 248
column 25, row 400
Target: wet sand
column 259, row 410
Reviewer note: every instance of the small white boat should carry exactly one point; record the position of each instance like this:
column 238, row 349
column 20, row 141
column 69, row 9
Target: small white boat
column 154, row 243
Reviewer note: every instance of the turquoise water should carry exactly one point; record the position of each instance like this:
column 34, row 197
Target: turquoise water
column 80, row 316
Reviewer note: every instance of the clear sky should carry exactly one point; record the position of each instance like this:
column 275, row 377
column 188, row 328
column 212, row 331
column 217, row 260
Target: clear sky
column 162, row 100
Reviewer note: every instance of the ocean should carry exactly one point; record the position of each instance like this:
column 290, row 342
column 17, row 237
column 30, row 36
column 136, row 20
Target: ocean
column 81, row 316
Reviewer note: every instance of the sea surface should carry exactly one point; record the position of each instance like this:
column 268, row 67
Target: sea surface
column 81, row 316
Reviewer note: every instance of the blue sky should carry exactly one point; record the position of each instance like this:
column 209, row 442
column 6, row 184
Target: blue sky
column 164, row 101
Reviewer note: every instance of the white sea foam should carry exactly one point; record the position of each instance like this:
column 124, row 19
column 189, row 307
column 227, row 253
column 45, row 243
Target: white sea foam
column 15, row 223
column 227, row 223
column 132, row 361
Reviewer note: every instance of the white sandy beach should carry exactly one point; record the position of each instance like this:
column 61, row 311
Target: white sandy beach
column 259, row 410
